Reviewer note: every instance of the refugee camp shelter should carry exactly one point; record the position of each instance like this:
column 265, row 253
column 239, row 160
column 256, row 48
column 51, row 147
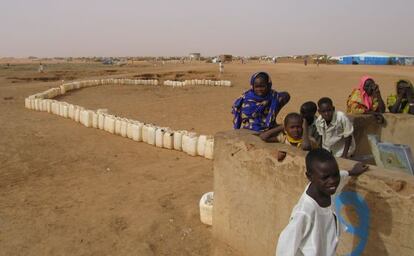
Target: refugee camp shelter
column 376, row 58
column 226, row 58
column 195, row 56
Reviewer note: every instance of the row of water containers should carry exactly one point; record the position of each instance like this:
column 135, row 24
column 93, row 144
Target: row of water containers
column 62, row 89
column 163, row 137
column 197, row 82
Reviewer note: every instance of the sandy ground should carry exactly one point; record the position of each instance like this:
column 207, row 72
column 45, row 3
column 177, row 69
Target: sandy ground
column 69, row 190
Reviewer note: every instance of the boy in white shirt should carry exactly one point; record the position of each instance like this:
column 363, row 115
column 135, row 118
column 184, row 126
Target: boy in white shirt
column 335, row 129
column 313, row 228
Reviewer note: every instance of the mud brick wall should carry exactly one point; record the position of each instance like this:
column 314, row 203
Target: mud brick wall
column 254, row 195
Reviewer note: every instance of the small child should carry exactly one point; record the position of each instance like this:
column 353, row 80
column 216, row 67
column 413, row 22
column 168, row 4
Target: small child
column 294, row 132
column 313, row 227
column 308, row 111
column 335, row 129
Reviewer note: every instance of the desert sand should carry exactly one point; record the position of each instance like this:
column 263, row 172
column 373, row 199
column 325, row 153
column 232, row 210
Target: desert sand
column 70, row 190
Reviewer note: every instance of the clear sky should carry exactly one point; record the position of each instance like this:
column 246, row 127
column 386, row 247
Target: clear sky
column 176, row 27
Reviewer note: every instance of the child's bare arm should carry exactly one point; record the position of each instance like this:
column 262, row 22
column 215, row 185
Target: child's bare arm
column 270, row 135
column 358, row 169
column 306, row 144
column 348, row 141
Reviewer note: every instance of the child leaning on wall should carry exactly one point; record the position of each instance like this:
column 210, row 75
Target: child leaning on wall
column 308, row 111
column 335, row 129
column 313, row 227
column 294, row 132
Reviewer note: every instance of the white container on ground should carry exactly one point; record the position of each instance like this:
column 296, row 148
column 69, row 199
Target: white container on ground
column 159, row 137
column 71, row 111
column 118, row 126
column 77, row 113
column 86, row 117
column 145, row 133
column 190, row 143
column 37, row 104
column 184, row 141
column 130, row 124
column 32, row 104
column 49, row 106
column 209, row 148
column 62, row 89
column 109, row 123
column 65, row 111
column 55, row 107
column 178, row 140
column 95, row 119
column 124, row 127
column 201, row 145
column 206, row 208
column 42, row 105
column 151, row 135
column 137, row 131
column 168, row 139
column 61, row 105
column 101, row 120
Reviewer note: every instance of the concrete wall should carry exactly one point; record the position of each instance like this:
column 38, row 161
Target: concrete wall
column 254, row 195
column 397, row 129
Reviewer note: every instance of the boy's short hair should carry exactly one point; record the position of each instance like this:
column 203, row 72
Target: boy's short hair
column 290, row 116
column 320, row 155
column 325, row 100
column 308, row 106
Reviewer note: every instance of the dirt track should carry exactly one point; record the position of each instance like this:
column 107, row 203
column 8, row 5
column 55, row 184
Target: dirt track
column 69, row 190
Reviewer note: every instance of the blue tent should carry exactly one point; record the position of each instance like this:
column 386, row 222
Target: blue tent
column 376, row 58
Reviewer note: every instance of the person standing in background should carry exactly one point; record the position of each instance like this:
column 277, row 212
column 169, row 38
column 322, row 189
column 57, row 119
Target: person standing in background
column 221, row 67
column 41, row 69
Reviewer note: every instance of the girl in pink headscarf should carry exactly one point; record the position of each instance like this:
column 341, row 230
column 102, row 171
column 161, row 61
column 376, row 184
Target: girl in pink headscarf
column 366, row 99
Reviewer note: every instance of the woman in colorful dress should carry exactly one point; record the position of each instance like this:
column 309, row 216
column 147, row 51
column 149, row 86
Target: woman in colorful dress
column 258, row 107
column 366, row 99
column 403, row 101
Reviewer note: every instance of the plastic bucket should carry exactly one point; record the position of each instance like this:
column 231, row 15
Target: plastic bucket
column 206, row 208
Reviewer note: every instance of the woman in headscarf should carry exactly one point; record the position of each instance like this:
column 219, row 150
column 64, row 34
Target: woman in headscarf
column 258, row 107
column 403, row 102
column 366, row 99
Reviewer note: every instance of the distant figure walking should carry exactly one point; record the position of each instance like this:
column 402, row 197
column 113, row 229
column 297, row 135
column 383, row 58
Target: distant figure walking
column 221, row 67
column 305, row 61
column 41, row 69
